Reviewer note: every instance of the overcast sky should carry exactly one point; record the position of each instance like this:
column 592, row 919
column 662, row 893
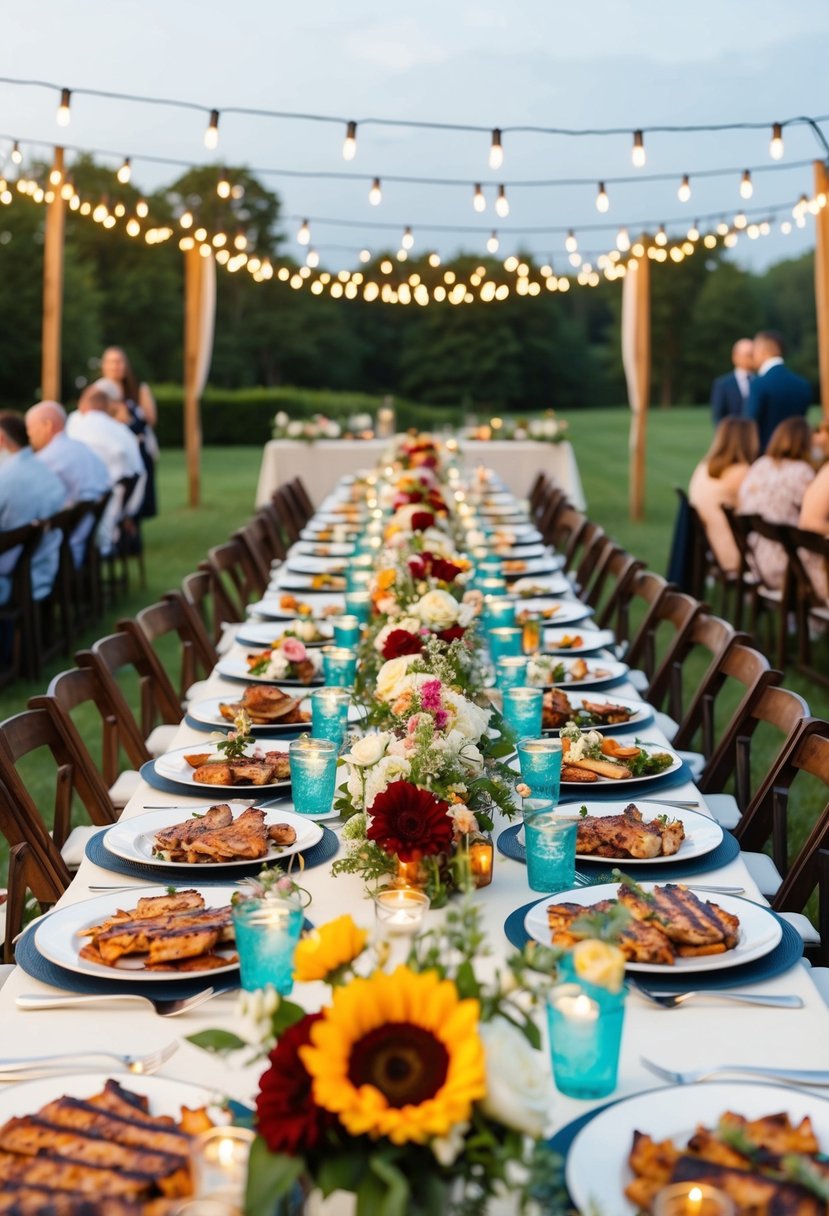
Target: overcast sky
column 628, row 63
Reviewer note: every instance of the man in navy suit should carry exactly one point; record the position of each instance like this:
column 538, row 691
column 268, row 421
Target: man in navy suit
column 775, row 393
column 729, row 393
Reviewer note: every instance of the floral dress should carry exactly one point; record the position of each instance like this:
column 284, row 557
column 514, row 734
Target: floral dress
column 773, row 489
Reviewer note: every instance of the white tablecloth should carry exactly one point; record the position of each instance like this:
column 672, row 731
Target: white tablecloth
column 322, row 464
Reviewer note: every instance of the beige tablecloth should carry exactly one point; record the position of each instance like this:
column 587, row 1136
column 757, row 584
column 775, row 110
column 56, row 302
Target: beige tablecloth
column 320, row 465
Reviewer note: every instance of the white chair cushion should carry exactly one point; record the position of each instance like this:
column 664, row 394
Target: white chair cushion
column 764, row 872
column 724, row 808
column 666, row 724
column 695, row 762
column 125, row 786
column 196, row 691
column 820, row 975
column 226, row 640
column 160, row 740
column 638, row 679
column 74, row 848
column 802, row 925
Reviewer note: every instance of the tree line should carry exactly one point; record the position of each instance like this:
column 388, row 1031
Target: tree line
column 525, row 353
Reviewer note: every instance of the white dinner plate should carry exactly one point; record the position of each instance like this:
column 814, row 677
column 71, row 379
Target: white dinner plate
column 288, row 581
column 133, row 838
column 208, row 712
column 528, row 586
column 536, row 569
column 259, row 637
column 671, row 1112
column 499, row 509
column 641, row 713
column 760, row 930
column 591, row 640
column 525, row 551
column 702, row 833
column 329, row 604
column 318, row 548
column 166, row 1095
column 621, row 782
column 342, row 532
column 237, row 669
column 299, row 563
column 173, row 767
column 329, row 519
column 552, row 608
column 600, row 671
column 523, row 533
column 57, row 936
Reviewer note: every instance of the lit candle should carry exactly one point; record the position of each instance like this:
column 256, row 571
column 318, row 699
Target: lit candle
column 480, row 861
column 400, row 910
column 692, row 1199
column 220, row 1164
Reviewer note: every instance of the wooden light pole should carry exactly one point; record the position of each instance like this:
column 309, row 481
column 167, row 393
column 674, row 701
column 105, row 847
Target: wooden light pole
column 199, row 313
column 636, row 357
column 822, row 282
column 50, row 371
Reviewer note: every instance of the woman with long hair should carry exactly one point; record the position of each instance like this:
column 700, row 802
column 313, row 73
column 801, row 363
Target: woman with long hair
column 716, row 482
column 143, row 416
column 774, row 488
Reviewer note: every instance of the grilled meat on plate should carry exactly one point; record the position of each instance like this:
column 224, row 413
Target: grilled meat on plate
column 628, row 835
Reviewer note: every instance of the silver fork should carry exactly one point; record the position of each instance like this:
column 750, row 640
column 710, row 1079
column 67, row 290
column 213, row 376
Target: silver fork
column 795, row 1076
column 165, row 1009
column 146, row 1064
column 672, row 1000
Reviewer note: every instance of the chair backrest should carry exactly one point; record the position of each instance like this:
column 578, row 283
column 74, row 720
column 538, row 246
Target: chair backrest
column 265, row 531
column 549, row 508
column 644, row 592
column 129, row 657
column 660, row 636
column 35, row 731
column 303, row 497
column 297, row 500
column 779, row 709
column 171, row 630
column 592, row 552
column 258, row 559
column 232, row 572
column 809, row 560
column 28, row 871
column 705, row 641
column 538, row 490
column 609, row 592
column 82, row 689
column 737, row 670
column 284, row 510
column 207, row 601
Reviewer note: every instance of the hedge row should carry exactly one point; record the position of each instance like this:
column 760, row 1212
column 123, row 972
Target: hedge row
column 245, row 416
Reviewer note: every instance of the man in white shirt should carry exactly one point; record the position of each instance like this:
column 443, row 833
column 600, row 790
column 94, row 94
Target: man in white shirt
column 118, row 449
column 81, row 470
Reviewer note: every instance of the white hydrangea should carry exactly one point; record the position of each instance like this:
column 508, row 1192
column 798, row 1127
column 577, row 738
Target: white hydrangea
column 467, row 718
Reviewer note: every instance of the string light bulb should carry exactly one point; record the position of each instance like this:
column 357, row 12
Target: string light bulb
column 55, row 177
column 493, row 243
column 142, row 209
column 602, row 201
column 746, row 185
column 776, row 142
column 571, row 244
column 63, row 116
column 622, row 240
column 223, row 186
column 478, row 199
column 375, row 194
column 125, row 172
column 211, row 135
column 304, row 235
column 638, row 153
column 496, row 150
column 407, row 240
column 693, row 231
column 661, row 237
column 16, row 154
column 240, row 241
column 684, row 191
column 502, row 203
column 312, row 259
column 365, row 256
column 67, row 190
column 186, row 219
column 350, row 141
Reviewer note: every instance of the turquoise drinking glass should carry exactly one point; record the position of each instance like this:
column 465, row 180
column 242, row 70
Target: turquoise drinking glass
column 339, row 666
column 585, row 1023
column 499, row 612
column 550, row 843
column 505, row 641
column 358, row 604
column 347, row 630
column 511, row 672
column 357, row 579
column 540, row 761
column 266, row 932
column 329, row 714
column 522, row 710
column 313, row 774
column 489, row 584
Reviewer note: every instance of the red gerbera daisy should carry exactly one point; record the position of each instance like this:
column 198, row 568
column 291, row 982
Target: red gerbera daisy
column 421, row 520
column 410, row 822
column 446, row 570
column 287, row 1116
column 401, row 642
column 450, row 634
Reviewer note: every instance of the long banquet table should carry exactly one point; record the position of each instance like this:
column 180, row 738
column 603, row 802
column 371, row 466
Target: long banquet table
column 706, row 1032
column 321, row 464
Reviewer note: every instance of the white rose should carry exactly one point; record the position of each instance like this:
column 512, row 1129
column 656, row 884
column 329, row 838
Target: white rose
column 369, row 749
column 410, row 623
column 518, row 1085
column 437, row 609
column 388, row 769
column 470, row 719
column 447, row 1148
column 390, row 677
column 295, row 429
column 438, row 542
column 281, row 419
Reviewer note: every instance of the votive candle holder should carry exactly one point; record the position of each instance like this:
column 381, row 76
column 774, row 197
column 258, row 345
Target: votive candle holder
column 504, row 641
column 347, row 630
column 585, row 1023
column 329, row 714
column 540, row 761
column 499, row 612
column 313, row 774
column 357, row 579
column 550, row 844
column 339, row 666
column 358, row 604
column 692, row 1199
column 219, row 1160
column 489, row 584
column 511, row 671
column 266, row 932
column 522, row 710
column 399, row 911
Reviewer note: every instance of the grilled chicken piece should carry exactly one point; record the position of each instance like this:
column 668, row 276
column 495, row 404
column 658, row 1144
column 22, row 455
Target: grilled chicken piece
column 776, row 1133
column 244, row 837
column 281, row 764
column 214, row 774
column 267, row 702
column 38, row 1201
column 237, row 772
column 200, row 962
column 142, row 1132
column 282, row 833
column 628, row 835
column 683, row 917
column 142, row 936
column 72, row 1176
column 148, row 909
column 179, row 835
column 749, row 1190
column 608, row 713
column 639, row 942
column 556, row 710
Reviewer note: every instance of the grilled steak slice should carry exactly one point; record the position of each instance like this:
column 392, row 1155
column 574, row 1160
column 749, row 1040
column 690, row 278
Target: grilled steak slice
column 72, row 1176
column 84, row 1117
column 683, row 917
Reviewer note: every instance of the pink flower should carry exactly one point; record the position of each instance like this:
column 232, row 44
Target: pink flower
column 294, row 650
column 441, row 718
column 430, row 695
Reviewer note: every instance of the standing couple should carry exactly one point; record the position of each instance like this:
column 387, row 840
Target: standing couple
column 761, row 387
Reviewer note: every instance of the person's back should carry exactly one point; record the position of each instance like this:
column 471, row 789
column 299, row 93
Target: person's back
column 29, row 491
column 776, row 393
column 118, row 449
column 716, row 483
column 774, row 488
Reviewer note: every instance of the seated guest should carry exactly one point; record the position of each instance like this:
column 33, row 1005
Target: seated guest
column 774, row 488
column 814, row 516
column 118, row 449
column 716, row 481
column 29, row 491
column 775, row 393
column 82, row 472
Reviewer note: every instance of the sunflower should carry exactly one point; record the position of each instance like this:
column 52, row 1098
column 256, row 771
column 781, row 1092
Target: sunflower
column 328, row 948
column 399, row 1056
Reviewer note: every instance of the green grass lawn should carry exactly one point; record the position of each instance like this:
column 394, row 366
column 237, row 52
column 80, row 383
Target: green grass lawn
column 178, row 540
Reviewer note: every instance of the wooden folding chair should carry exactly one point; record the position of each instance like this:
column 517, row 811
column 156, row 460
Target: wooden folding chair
column 18, row 625
column 259, row 559
column 614, row 572
column 176, row 637
column 808, row 554
column 126, row 660
column 642, row 593
column 209, row 602
column 705, row 639
column 235, row 576
column 303, row 497
column 27, row 874
column 283, row 508
column 659, row 636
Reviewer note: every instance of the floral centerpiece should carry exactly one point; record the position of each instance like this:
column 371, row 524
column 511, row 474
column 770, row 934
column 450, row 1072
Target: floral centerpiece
column 307, row 429
column 547, row 429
